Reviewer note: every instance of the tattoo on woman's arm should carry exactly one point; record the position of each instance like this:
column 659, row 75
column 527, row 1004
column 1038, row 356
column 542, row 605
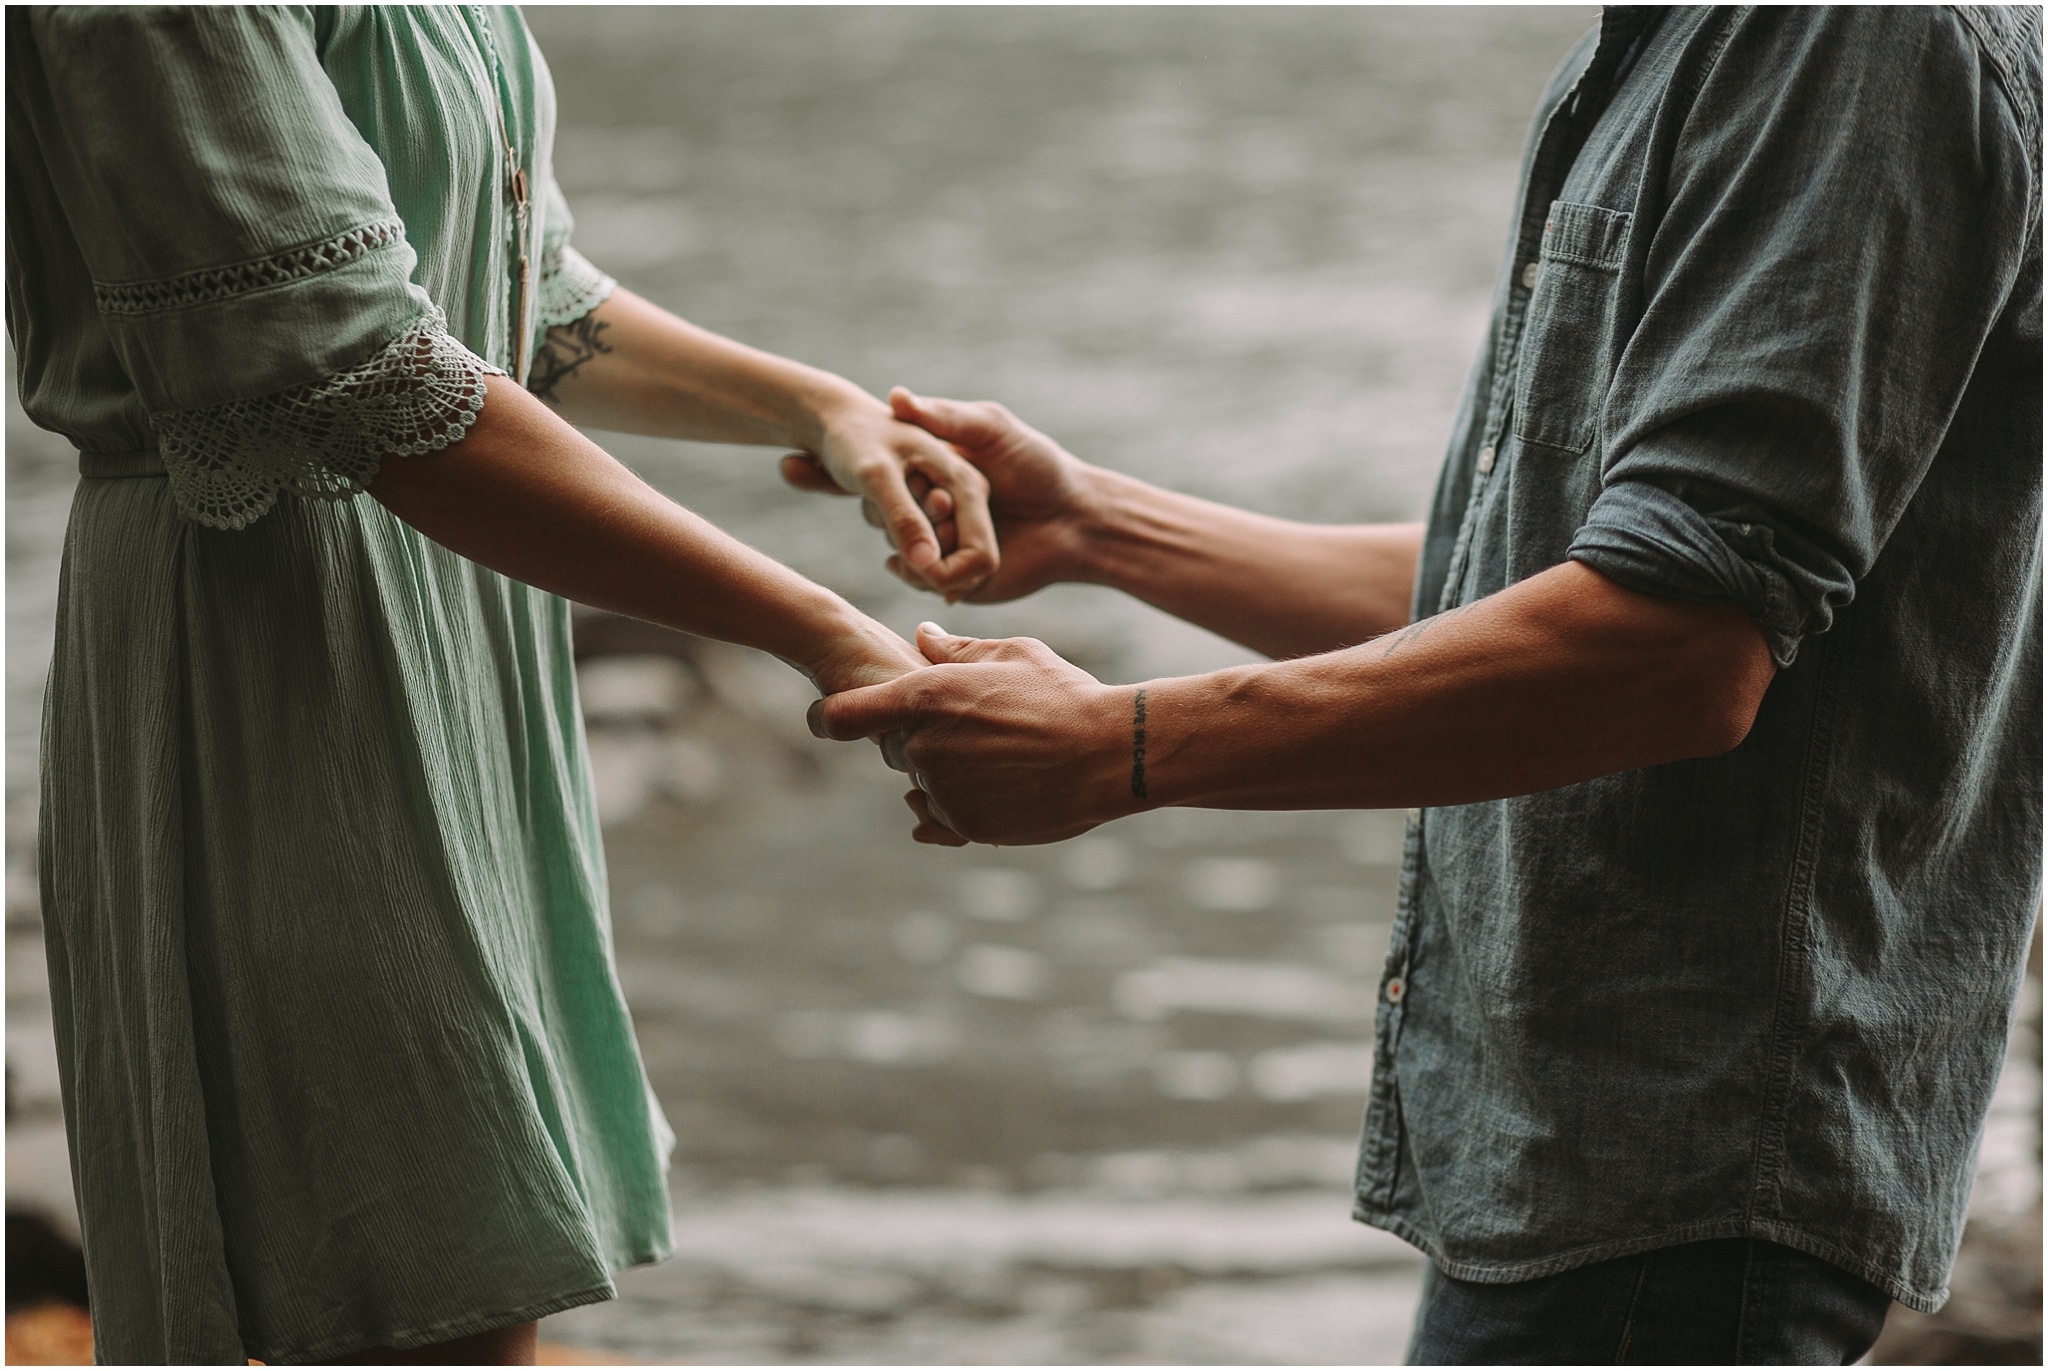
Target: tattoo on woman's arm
column 563, row 349
column 1138, row 747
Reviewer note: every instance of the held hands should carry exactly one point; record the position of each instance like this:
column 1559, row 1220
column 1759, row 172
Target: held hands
column 1035, row 497
column 930, row 501
column 1005, row 741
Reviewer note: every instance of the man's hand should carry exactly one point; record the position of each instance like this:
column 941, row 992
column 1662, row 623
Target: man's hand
column 1005, row 741
column 1036, row 492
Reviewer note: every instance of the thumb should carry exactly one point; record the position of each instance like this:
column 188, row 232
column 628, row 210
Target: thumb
column 939, row 646
column 805, row 472
column 965, row 423
column 864, row 712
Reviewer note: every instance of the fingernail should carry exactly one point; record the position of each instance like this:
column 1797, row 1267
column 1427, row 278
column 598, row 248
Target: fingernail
column 928, row 625
column 815, row 717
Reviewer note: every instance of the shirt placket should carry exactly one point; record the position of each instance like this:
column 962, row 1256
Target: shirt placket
column 1557, row 148
column 1564, row 132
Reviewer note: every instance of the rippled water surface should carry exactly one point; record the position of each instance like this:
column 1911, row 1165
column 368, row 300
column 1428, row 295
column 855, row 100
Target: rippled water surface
column 1086, row 1103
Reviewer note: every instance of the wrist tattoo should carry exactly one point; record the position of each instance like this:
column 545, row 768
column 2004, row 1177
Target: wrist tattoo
column 1138, row 747
column 563, row 349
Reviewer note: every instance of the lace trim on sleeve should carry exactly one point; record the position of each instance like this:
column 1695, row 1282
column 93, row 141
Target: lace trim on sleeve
column 218, row 283
column 324, row 440
column 570, row 287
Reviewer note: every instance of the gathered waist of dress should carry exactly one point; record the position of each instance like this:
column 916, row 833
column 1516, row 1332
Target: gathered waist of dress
column 115, row 466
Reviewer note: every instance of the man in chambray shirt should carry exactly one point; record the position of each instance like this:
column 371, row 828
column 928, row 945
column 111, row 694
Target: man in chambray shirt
column 1722, row 697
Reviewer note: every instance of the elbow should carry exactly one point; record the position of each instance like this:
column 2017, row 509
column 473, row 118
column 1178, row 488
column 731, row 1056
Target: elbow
column 1719, row 725
column 1723, row 690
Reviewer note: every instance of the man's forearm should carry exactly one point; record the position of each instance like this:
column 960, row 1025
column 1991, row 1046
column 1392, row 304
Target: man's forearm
column 1286, row 589
column 1559, row 679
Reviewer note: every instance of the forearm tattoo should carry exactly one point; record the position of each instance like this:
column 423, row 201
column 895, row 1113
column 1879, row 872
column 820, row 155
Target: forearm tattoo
column 1418, row 630
column 1138, row 747
column 563, row 349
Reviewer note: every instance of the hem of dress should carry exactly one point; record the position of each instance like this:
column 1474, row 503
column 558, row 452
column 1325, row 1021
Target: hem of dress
column 655, row 1254
column 446, row 1331
column 1534, row 1268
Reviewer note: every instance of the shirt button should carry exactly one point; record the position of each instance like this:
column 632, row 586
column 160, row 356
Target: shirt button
column 1486, row 459
column 1396, row 988
column 1529, row 277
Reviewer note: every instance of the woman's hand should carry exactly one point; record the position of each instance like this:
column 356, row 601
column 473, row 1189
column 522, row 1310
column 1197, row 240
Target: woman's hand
column 930, row 501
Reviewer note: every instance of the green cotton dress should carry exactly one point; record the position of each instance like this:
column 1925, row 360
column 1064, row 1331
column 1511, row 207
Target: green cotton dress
column 344, row 1057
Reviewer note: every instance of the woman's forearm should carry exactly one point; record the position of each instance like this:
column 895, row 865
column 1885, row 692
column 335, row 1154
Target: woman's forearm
column 632, row 367
column 527, row 495
column 1243, row 575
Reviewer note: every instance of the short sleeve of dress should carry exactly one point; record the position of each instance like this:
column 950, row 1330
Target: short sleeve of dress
column 570, row 287
column 247, row 263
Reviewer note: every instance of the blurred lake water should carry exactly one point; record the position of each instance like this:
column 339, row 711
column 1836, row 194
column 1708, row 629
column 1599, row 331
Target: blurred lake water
column 1093, row 1102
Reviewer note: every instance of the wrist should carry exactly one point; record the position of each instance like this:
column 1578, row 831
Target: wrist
column 1118, row 734
column 1177, row 750
column 840, row 648
column 1122, row 527
column 1100, row 523
column 832, row 402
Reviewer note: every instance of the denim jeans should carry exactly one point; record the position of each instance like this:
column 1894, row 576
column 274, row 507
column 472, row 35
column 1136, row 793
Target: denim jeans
column 1728, row 1301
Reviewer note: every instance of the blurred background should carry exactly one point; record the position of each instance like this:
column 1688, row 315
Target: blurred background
column 1087, row 1103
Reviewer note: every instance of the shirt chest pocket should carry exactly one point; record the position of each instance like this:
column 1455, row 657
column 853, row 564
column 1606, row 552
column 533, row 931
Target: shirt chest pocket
column 1567, row 339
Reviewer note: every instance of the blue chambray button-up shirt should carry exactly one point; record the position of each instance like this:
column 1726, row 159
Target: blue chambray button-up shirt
column 1768, row 335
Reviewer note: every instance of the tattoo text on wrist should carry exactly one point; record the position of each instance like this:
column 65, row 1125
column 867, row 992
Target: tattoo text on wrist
column 563, row 349
column 1138, row 747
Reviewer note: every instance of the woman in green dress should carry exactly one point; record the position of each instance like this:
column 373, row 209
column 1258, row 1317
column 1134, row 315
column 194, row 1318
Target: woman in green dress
column 346, row 1070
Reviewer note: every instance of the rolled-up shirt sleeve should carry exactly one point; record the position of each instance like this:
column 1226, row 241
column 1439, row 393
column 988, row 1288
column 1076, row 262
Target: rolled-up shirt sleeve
column 1844, row 221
